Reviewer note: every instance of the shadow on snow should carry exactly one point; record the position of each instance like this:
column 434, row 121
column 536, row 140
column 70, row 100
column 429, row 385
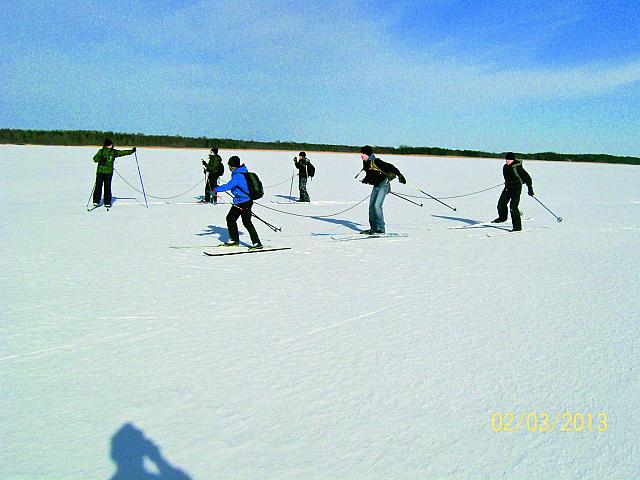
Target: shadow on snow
column 131, row 450
column 287, row 197
column 221, row 232
column 345, row 223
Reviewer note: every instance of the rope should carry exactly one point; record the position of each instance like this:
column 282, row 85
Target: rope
column 264, row 206
column 152, row 196
column 313, row 216
column 184, row 193
column 455, row 196
column 278, row 184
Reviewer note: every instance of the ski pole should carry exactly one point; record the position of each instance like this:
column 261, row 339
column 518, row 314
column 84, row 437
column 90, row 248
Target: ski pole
column 206, row 183
column 91, row 196
column 293, row 174
column 405, row 199
column 272, row 227
column 358, row 174
column 432, row 197
column 142, row 184
column 558, row 219
column 212, row 191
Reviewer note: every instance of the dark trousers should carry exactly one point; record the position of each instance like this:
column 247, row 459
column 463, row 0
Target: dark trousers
column 212, row 182
column 102, row 179
column 302, row 186
column 241, row 210
column 512, row 197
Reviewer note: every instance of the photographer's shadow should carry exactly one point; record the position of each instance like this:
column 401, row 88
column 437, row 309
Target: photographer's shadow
column 130, row 448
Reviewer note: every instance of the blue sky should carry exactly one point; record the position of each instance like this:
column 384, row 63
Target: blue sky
column 527, row 76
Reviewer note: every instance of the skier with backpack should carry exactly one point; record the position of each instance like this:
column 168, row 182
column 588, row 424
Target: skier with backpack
column 514, row 176
column 245, row 188
column 378, row 174
column 305, row 171
column 213, row 169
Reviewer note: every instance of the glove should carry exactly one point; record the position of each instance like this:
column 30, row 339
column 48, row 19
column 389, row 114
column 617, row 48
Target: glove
column 204, row 163
column 401, row 179
column 134, row 149
column 531, row 191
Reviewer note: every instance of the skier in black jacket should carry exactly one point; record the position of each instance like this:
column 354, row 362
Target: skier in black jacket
column 214, row 169
column 514, row 176
column 303, row 165
column 378, row 174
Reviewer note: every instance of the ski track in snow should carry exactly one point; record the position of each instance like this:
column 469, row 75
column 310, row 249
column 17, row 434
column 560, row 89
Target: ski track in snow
column 66, row 347
column 334, row 325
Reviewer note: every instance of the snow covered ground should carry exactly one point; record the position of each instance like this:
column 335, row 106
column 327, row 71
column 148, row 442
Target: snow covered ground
column 372, row 359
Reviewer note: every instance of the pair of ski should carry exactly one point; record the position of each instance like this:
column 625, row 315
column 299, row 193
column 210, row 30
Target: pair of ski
column 345, row 237
column 501, row 229
column 92, row 208
column 471, row 226
column 505, row 233
column 239, row 251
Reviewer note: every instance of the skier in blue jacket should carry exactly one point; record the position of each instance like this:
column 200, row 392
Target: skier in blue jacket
column 241, row 207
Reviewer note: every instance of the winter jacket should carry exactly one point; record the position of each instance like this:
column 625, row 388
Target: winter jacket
column 377, row 171
column 515, row 175
column 302, row 166
column 215, row 166
column 106, row 156
column 237, row 185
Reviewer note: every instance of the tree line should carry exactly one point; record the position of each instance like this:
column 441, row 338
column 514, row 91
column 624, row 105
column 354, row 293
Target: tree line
column 95, row 137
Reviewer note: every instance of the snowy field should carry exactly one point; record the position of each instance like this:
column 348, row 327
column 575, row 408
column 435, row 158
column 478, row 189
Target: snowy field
column 372, row 359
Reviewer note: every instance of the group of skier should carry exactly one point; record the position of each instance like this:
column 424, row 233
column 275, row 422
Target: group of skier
column 378, row 174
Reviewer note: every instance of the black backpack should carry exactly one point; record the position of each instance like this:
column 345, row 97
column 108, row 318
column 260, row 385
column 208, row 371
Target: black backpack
column 215, row 165
column 254, row 184
column 311, row 170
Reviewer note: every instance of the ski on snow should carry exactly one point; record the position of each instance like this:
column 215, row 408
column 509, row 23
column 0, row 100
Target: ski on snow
column 314, row 202
column 331, row 234
column 509, row 232
column 192, row 246
column 362, row 236
column 483, row 224
column 222, row 254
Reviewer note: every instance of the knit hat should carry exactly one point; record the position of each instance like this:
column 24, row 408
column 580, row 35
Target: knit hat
column 510, row 156
column 214, row 150
column 234, row 161
column 302, row 154
column 367, row 150
column 107, row 142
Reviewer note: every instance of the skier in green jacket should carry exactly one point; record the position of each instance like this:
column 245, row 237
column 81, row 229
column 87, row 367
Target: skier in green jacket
column 104, row 173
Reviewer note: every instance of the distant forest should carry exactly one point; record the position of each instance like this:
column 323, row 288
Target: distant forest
column 92, row 137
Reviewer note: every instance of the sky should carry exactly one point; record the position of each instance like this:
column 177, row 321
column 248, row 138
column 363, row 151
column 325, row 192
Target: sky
column 526, row 76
